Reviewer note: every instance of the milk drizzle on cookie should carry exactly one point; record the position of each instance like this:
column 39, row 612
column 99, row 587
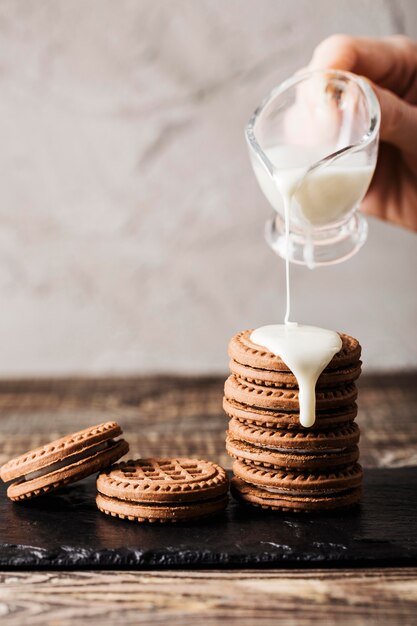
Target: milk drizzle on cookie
column 306, row 350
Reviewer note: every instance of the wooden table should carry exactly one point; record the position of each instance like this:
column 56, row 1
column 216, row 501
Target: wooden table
column 172, row 416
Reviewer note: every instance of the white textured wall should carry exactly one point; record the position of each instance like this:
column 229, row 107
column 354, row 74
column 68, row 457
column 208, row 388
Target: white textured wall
column 131, row 225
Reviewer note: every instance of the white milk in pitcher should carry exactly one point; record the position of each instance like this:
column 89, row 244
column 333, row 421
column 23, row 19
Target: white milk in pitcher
column 325, row 196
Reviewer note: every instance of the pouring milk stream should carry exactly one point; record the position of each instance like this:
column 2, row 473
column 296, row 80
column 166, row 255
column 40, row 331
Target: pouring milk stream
column 313, row 144
column 307, row 350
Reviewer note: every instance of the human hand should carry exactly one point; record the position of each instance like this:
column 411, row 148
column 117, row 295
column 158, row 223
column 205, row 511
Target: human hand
column 390, row 65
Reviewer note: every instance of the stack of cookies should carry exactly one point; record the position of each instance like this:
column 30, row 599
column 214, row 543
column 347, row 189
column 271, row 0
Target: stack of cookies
column 278, row 463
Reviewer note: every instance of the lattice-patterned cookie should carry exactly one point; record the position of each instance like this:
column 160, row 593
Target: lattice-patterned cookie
column 162, row 490
column 63, row 461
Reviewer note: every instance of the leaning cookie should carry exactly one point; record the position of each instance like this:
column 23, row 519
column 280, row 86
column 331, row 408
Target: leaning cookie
column 63, row 461
column 162, row 490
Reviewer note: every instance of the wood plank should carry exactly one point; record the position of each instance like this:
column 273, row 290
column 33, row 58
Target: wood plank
column 295, row 598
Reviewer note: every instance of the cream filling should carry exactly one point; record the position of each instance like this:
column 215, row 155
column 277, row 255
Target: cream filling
column 290, row 492
column 304, row 452
column 85, row 454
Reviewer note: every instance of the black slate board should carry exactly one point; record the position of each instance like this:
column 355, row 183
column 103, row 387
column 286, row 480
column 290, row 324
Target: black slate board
column 66, row 531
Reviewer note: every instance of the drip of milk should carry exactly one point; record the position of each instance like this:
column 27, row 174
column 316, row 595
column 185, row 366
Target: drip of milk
column 306, row 350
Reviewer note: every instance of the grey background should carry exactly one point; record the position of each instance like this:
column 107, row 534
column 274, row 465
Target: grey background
column 131, row 225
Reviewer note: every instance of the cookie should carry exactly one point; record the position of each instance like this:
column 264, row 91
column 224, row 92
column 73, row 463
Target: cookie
column 244, row 351
column 294, row 502
column 270, row 418
column 63, row 461
column 308, row 483
column 287, row 380
column 287, row 399
column 290, row 459
column 162, row 490
column 334, row 439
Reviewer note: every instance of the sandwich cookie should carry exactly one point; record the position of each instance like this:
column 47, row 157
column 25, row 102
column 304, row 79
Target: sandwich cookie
column 304, row 483
column 305, row 440
column 295, row 502
column 63, row 461
column 287, row 399
column 302, row 460
column 244, row 351
column 162, row 490
column 274, row 418
column 287, row 380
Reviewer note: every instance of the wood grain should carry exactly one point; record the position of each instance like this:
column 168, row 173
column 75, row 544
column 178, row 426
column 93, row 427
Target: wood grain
column 299, row 597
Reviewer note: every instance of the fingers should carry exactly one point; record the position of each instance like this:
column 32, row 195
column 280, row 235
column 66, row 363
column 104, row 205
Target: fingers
column 392, row 195
column 390, row 62
column 398, row 121
column 391, row 65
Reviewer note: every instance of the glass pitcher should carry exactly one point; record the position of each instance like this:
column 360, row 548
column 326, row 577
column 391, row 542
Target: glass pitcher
column 313, row 144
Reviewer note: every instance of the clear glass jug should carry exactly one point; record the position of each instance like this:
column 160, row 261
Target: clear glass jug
column 313, row 144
